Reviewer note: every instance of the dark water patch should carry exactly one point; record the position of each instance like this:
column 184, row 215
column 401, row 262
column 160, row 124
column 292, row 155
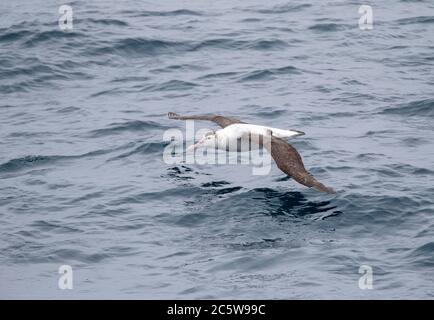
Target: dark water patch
column 412, row 170
column 68, row 110
column 220, row 43
column 420, row 108
column 28, row 134
column 185, row 192
column 177, row 67
column 267, row 44
column 272, row 113
column 105, row 22
column 288, row 7
column 6, row 106
column 114, row 91
column 264, row 74
column 227, row 190
column 414, row 142
column 144, row 148
column 86, row 197
column 423, row 255
column 283, row 179
column 380, row 133
column 65, row 255
column 153, row 47
column 29, row 71
column 369, row 156
column 37, row 76
column 172, row 85
column 180, row 173
column 129, row 126
column 173, row 13
column 39, row 160
column 53, row 227
column 26, row 162
column 328, row 27
column 276, row 203
column 214, row 184
column 176, row 254
column 251, row 20
column 416, row 20
column 219, row 75
column 130, row 78
column 231, row 44
column 258, row 245
column 377, row 209
column 141, row 47
column 52, row 36
column 14, row 35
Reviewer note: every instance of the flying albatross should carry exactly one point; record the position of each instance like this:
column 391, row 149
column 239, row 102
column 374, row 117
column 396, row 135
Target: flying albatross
column 286, row 156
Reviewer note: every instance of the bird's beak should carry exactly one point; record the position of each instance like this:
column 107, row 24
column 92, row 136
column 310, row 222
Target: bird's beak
column 195, row 146
column 297, row 133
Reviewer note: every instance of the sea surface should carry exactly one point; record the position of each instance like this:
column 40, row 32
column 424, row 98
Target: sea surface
column 83, row 181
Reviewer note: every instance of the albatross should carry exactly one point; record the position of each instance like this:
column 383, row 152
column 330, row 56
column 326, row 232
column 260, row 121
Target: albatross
column 286, row 156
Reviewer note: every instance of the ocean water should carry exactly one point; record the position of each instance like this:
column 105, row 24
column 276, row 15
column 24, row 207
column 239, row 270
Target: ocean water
column 83, row 181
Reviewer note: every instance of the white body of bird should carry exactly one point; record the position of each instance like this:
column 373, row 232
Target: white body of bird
column 242, row 137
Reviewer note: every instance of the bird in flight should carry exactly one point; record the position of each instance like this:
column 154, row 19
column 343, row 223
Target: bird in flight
column 286, row 156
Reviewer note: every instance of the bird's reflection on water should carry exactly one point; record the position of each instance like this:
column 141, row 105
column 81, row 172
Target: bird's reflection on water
column 224, row 197
column 294, row 203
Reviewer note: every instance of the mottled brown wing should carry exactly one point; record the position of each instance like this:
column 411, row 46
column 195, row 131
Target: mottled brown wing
column 220, row 120
column 289, row 161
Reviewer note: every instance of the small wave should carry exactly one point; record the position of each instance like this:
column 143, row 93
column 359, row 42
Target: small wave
column 416, row 20
column 178, row 67
column 106, row 22
column 152, row 47
column 26, row 162
column 423, row 255
column 278, row 9
column 14, row 35
column 423, row 108
column 327, row 27
column 228, row 43
column 411, row 170
column 117, row 128
column 214, row 184
column 70, row 109
column 38, row 160
column 277, row 203
column 42, row 225
column 77, row 255
column 141, row 46
column 144, row 148
column 267, row 73
column 31, row 70
column 218, row 75
column 271, row 113
column 267, row 44
column 171, row 85
column 220, row 43
column 142, row 197
column 52, row 35
column 179, row 12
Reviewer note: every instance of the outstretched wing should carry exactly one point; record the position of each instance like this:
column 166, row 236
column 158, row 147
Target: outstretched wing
column 289, row 161
column 220, row 120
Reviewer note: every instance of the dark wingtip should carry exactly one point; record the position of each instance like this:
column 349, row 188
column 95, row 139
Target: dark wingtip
column 325, row 189
column 172, row 115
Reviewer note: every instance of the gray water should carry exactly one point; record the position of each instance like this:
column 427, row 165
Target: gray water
column 83, row 181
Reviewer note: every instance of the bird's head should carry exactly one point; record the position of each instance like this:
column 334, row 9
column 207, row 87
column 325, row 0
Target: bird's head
column 209, row 140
